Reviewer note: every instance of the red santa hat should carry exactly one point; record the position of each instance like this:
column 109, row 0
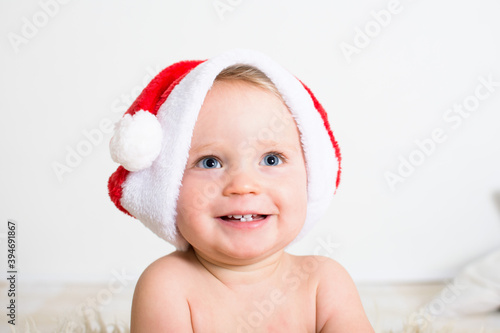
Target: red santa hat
column 151, row 142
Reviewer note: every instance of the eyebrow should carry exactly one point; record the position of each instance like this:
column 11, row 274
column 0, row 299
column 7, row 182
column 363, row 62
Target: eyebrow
column 281, row 145
column 270, row 144
column 205, row 146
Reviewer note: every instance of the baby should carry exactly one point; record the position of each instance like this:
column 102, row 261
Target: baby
column 232, row 159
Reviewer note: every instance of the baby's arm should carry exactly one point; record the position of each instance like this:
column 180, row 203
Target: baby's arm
column 159, row 303
column 339, row 307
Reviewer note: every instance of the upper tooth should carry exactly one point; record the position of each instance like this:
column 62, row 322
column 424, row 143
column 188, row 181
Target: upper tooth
column 247, row 216
column 237, row 216
column 230, row 216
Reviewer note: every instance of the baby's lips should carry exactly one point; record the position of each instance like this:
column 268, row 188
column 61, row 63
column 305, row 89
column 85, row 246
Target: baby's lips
column 246, row 212
column 239, row 216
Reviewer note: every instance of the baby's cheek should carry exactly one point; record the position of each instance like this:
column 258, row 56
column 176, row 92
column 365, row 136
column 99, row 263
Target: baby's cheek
column 297, row 196
column 191, row 203
column 293, row 194
column 300, row 205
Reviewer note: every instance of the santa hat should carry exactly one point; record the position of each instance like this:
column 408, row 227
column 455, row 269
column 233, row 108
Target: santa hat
column 152, row 140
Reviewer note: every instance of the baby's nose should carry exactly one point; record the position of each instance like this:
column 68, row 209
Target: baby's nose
column 243, row 181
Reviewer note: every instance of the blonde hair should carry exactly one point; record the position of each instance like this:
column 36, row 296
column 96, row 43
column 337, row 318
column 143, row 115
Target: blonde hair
column 248, row 74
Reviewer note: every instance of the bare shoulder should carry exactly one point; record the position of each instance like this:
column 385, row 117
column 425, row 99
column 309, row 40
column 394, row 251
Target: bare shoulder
column 160, row 303
column 322, row 269
column 338, row 305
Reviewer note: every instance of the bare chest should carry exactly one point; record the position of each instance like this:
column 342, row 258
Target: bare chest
column 271, row 310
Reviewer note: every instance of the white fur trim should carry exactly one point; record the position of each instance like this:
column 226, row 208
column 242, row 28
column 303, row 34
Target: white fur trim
column 151, row 194
column 137, row 141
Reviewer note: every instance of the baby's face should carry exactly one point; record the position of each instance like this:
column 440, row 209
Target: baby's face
column 244, row 190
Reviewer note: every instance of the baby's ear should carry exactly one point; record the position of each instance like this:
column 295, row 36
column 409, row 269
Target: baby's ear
column 136, row 142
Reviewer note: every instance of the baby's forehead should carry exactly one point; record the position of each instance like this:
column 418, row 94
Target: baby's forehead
column 244, row 73
column 241, row 109
column 229, row 85
column 246, row 96
column 224, row 91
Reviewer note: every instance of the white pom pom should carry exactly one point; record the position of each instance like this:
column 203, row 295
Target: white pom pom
column 137, row 141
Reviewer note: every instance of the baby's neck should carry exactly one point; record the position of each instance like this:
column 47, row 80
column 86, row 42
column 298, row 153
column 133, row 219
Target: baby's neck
column 245, row 275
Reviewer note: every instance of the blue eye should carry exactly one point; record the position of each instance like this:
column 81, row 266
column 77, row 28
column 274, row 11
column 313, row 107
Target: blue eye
column 209, row 163
column 271, row 160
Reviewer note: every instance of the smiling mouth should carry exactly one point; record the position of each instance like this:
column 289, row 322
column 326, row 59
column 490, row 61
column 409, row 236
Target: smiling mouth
column 244, row 218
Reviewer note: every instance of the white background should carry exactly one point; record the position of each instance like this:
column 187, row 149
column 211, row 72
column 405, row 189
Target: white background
column 82, row 64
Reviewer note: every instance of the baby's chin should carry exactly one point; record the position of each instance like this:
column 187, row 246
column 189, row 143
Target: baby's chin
column 244, row 253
